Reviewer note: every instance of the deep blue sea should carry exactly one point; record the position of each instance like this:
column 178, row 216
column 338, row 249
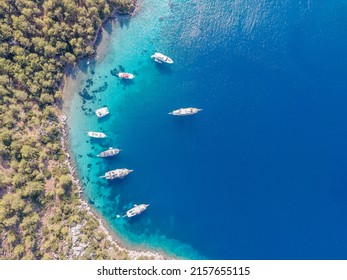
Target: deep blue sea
column 260, row 173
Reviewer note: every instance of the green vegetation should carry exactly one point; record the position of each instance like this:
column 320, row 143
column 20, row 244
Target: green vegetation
column 124, row 6
column 40, row 214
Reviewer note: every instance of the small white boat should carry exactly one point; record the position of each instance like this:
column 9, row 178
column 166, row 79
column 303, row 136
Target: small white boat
column 126, row 76
column 185, row 111
column 94, row 134
column 137, row 209
column 109, row 153
column 102, row 112
column 159, row 57
column 117, row 173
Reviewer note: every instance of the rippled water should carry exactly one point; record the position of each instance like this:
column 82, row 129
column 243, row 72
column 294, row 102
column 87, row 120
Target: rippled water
column 260, row 172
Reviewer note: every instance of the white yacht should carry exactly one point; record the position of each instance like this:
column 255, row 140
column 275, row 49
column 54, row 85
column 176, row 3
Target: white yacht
column 185, row 111
column 117, row 173
column 94, row 134
column 109, row 153
column 102, row 112
column 124, row 75
column 160, row 58
column 137, row 209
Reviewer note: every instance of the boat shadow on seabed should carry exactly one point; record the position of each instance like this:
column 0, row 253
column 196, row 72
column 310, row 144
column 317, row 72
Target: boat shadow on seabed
column 163, row 68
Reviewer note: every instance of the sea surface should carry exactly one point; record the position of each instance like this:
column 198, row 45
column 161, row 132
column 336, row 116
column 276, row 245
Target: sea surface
column 261, row 172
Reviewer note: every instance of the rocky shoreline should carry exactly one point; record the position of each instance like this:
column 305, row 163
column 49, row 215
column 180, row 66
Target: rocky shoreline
column 78, row 248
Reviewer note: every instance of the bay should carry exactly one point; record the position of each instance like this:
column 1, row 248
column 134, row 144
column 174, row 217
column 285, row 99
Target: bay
column 260, row 173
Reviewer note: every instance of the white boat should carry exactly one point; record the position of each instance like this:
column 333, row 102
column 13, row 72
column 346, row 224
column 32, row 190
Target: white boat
column 137, row 209
column 185, row 111
column 159, row 57
column 109, row 153
column 102, row 112
column 94, row 134
column 117, row 173
column 124, row 75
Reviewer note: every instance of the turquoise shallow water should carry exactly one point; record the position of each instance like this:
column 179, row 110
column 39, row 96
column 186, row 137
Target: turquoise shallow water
column 134, row 108
column 260, row 172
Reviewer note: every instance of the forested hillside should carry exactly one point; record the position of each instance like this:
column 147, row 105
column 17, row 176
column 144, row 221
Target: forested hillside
column 40, row 214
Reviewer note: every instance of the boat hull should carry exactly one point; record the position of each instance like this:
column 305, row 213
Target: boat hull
column 159, row 57
column 136, row 210
column 93, row 134
column 102, row 112
column 185, row 111
column 109, row 153
column 117, row 174
column 126, row 76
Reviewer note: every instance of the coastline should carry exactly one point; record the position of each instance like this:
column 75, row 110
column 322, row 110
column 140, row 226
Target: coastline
column 95, row 42
column 102, row 224
column 111, row 235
